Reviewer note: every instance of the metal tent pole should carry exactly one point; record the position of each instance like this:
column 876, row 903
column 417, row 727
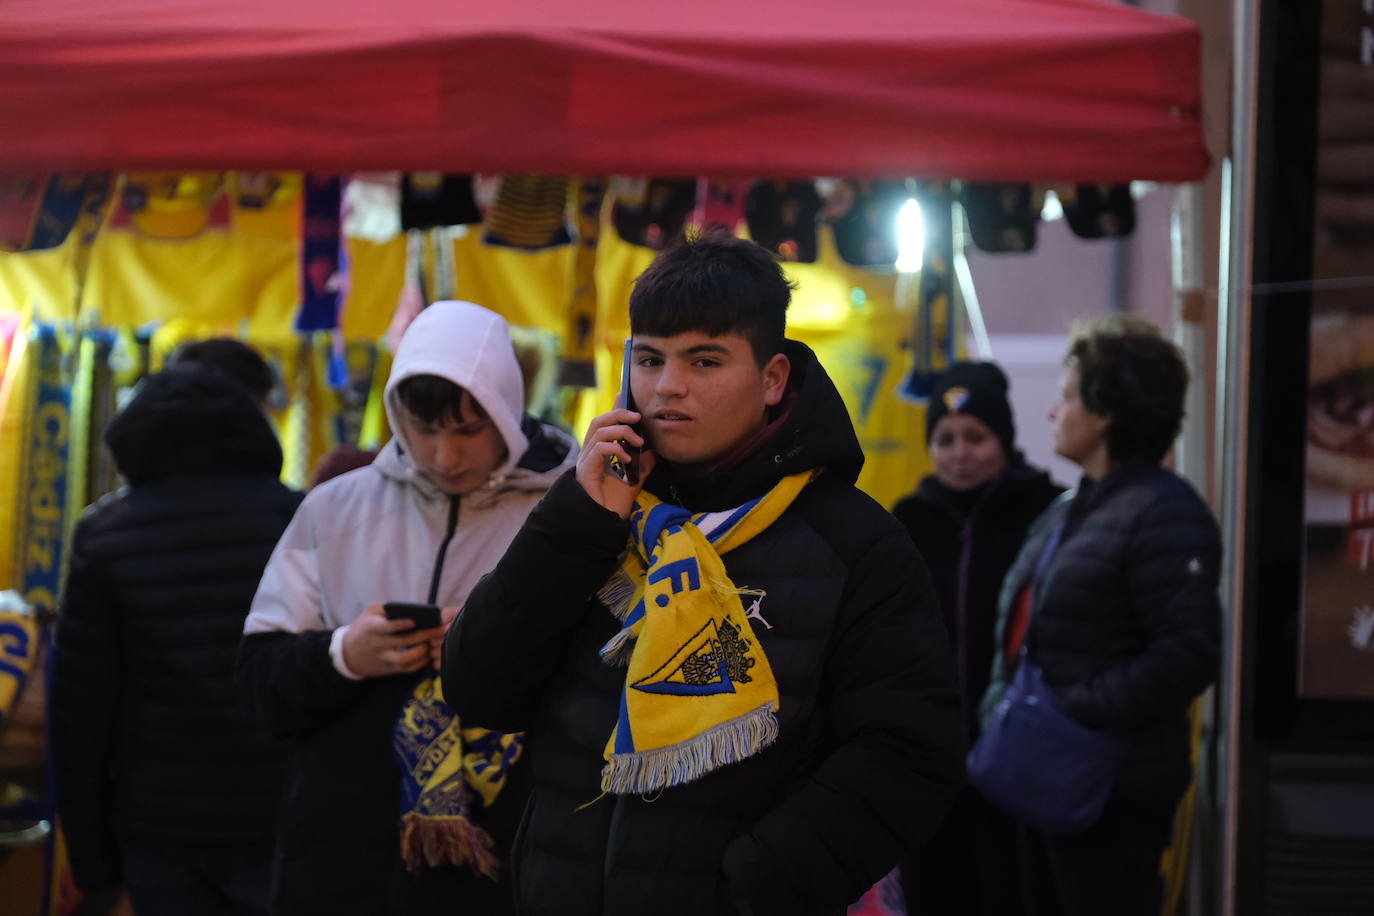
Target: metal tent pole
column 1233, row 389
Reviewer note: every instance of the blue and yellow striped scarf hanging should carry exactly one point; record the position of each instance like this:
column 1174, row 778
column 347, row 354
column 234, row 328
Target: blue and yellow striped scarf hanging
column 445, row 769
column 699, row 692
column 20, row 640
column 36, row 444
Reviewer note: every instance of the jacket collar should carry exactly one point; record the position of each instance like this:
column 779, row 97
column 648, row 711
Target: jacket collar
column 1092, row 493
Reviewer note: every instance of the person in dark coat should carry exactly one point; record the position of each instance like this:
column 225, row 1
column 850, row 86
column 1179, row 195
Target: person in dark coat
column 769, row 584
column 969, row 519
column 162, row 783
column 1126, row 620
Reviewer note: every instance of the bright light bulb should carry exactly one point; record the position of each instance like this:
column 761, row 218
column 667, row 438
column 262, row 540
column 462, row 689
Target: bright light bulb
column 1052, row 209
column 911, row 237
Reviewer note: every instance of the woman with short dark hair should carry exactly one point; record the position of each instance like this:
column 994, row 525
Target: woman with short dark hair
column 1128, row 372
column 1114, row 596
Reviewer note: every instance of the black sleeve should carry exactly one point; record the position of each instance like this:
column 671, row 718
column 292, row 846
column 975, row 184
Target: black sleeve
column 516, row 621
column 891, row 713
column 1172, row 569
column 290, row 684
column 284, row 673
column 86, row 691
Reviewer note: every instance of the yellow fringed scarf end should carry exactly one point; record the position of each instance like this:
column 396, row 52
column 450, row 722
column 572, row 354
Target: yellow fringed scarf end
column 642, row 772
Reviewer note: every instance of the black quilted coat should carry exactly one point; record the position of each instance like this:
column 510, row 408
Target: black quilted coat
column 148, row 739
column 1127, row 622
column 869, row 754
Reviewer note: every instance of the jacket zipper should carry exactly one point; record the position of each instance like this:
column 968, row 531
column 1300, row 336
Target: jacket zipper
column 961, row 607
column 616, row 812
column 443, row 549
column 961, row 587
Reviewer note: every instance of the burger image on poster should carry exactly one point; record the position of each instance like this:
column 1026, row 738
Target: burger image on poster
column 1340, row 414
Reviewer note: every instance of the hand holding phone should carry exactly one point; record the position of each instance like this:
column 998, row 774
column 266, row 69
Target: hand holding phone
column 628, row 472
column 379, row 643
column 423, row 616
column 610, row 468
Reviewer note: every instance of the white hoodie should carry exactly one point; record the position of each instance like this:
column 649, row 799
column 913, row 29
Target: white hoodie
column 374, row 534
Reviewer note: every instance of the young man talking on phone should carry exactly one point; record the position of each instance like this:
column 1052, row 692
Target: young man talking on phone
column 733, row 677
column 392, row 804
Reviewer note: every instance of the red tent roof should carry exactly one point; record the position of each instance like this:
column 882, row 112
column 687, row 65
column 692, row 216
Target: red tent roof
column 978, row 89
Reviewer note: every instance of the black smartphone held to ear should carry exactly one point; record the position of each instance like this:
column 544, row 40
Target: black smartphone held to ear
column 424, row 616
column 628, row 472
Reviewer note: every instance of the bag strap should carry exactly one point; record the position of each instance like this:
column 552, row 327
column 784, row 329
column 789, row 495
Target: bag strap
column 1048, row 553
column 1041, row 564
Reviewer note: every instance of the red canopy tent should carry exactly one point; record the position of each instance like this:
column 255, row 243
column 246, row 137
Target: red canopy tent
column 978, row 89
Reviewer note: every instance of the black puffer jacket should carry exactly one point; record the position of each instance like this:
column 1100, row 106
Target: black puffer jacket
column 969, row 541
column 869, row 754
column 148, row 738
column 1127, row 622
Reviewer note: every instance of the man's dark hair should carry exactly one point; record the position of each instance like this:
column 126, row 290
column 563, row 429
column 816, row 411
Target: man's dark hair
column 714, row 284
column 232, row 357
column 1128, row 370
column 432, row 399
column 340, row 460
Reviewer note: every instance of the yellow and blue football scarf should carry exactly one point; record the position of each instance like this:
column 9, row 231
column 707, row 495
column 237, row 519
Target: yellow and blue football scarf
column 20, row 640
column 699, row 692
column 36, row 442
column 445, row 770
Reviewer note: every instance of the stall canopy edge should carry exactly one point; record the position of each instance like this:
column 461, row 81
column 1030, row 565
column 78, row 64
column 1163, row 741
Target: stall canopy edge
column 1044, row 90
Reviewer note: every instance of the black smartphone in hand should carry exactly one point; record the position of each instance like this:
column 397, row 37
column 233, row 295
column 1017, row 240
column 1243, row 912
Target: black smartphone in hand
column 424, row 616
column 628, row 472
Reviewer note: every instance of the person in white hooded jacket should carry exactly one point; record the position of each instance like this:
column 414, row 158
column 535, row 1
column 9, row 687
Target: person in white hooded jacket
column 321, row 663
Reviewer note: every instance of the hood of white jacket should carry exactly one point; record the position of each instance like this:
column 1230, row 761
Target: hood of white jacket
column 469, row 346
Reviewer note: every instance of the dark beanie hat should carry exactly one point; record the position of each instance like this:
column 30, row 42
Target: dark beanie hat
column 976, row 389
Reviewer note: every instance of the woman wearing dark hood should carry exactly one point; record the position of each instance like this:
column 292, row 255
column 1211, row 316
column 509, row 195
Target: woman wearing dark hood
column 969, row 519
column 164, row 784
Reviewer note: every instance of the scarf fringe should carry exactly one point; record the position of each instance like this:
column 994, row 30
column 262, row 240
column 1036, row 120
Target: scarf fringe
column 723, row 587
column 617, row 594
column 440, row 841
column 643, row 772
column 619, row 648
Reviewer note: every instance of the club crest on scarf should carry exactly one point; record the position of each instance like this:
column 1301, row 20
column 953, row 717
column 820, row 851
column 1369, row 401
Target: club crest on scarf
column 714, row 660
column 699, row 692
